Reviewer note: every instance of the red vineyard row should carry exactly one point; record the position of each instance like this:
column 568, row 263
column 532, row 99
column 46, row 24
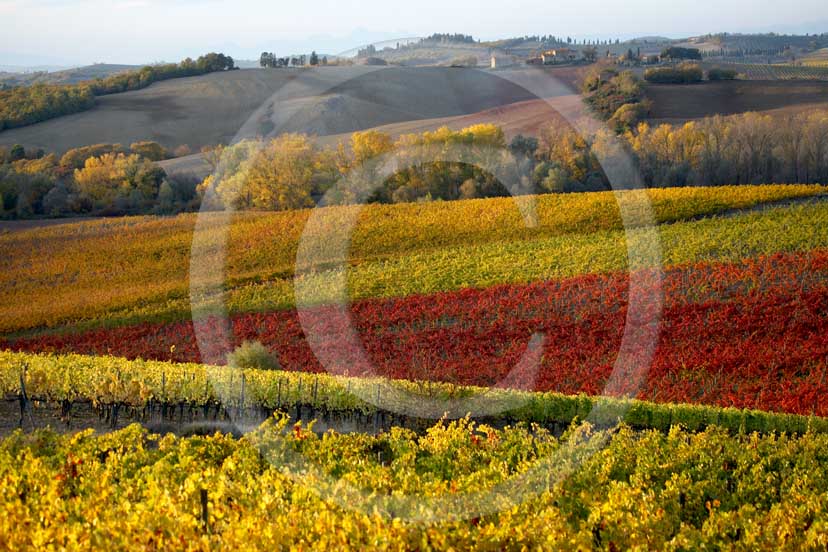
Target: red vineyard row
column 752, row 335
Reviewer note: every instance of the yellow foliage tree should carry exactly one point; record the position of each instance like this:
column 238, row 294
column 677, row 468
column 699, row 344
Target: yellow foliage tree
column 369, row 144
column 109, row 176
column 278, row 176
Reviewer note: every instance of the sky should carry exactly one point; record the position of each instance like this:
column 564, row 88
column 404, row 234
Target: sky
column 73, row 32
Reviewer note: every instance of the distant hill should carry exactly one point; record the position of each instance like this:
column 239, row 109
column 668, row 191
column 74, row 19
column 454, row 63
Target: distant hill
column 32, row 68
column 66, row 76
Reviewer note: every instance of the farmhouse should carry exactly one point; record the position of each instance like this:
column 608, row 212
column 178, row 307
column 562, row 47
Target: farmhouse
column 559, row 55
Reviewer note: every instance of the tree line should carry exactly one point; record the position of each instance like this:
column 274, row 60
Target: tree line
column 743, row 149
column 291, row 171
column 271, row 61
column 101, row 179
column 26, row 105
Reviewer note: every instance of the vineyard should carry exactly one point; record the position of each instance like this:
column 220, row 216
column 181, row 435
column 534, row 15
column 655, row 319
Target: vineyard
column 643, row 490
column 818, row 58
column 816, row 70
column 486, row 342
column 182, row 394
column 136, row 269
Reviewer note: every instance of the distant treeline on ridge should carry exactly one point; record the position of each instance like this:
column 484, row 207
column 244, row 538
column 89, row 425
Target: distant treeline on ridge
column 26, row 105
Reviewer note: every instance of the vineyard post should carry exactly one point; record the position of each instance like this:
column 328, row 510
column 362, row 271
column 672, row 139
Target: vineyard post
column 241, row 403
column 25, row 407
column 299, row 399
column 279, row 394
column 163, row 395
column 377, row 412
column 114, row 417
column 205, row 517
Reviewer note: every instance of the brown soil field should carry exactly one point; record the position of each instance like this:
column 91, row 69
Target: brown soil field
column 677, row 103
column 527, row 118
column 216, row 108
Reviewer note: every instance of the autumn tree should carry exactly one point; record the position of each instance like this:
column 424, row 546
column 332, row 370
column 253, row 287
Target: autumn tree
column 277, row 176
column 111, row 176
column 150, row 150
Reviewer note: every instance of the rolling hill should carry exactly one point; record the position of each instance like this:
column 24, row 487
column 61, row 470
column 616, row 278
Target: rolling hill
column 206, row 110
column 333, row 102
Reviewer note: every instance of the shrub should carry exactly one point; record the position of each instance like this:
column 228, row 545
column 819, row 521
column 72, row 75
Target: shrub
column 76, row 158
column 718, row 74
column 468, row 189
column 56, row 202
column 16, row 153
column 150, row 150
column 676, row 52
column 680, row 74
column 628, row 115
column 556, row 181
column 374, row 61
column 611, row 90
column 252, row 354
column 182, row 151
column 406, row 194
column 467, row 61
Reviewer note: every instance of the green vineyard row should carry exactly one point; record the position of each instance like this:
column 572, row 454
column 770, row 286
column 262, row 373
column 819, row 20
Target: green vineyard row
column 108, row 381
